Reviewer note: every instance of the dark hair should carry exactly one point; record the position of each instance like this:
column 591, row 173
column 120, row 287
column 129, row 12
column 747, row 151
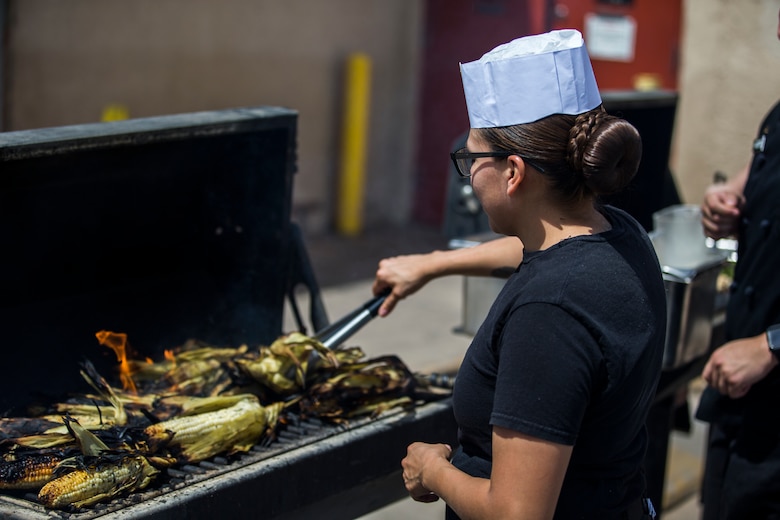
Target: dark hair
column 586, row 155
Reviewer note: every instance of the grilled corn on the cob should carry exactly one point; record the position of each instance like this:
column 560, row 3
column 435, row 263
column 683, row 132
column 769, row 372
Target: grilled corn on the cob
column 204, row 435
column 117, row 459
column 102, row 481
column 28, row 471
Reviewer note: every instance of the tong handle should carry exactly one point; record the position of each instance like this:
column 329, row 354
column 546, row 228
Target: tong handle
column 336, row 333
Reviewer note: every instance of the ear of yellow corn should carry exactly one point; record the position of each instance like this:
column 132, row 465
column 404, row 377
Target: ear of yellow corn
column 28, row 472
column 102, row 481
column 204, row 435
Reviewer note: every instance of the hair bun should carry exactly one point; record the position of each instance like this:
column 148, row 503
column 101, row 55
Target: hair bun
column 585, row 125
column 605, row 150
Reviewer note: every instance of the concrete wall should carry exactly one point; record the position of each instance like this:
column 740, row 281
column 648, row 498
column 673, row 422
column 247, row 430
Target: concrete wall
column 730, row 77
column 68, row 61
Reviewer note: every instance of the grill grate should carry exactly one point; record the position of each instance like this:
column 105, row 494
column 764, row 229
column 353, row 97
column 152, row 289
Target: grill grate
column 307, row 443
column 297, row 432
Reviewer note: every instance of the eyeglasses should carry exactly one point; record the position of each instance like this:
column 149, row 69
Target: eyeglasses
column 463, row 160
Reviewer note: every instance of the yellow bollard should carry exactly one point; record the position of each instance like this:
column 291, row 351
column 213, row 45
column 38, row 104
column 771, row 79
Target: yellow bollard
column 114, row 112
column 354, row 139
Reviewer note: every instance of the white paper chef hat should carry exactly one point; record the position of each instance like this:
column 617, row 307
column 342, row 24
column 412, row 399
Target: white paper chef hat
column 530, row 78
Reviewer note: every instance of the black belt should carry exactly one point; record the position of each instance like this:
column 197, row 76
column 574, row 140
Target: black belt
column 641, row 509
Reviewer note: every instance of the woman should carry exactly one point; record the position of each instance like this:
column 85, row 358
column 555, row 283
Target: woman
column 553, row 393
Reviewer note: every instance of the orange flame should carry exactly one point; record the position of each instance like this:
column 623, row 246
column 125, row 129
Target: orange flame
column 117, row 341
column 169, row 355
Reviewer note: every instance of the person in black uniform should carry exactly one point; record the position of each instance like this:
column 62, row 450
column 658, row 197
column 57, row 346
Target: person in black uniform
column 742, row 470
column 552, row 396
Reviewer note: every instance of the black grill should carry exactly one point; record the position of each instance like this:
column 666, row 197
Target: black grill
column 313, row 470
column 167, row 229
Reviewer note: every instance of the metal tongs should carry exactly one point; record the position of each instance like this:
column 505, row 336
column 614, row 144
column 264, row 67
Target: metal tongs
column 436, row 385
column 339, row 331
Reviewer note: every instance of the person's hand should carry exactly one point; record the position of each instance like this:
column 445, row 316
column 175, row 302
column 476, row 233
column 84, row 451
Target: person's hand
column 720, row 211
column 419, row 456
column 404, row 275
column 736, row 366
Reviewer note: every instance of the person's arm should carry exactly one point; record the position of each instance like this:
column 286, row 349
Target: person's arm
column 737, row 365
column 721, row 206
column 525, row 482
column 405, row 275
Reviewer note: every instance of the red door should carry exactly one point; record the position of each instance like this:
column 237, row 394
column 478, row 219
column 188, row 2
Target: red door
column 455, row 31
column 633, row 44
column 637, row 47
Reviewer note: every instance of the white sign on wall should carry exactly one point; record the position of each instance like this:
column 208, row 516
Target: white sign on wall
column 610, row 37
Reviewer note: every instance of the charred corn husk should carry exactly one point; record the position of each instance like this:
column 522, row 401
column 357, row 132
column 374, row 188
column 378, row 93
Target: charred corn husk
column 188, row 405
column 103, row 480
column 279, row 374
column 30, row 471
column 283, row 366
column 194, row 376
column 194, row 370
column 120, row 453
column 198, row 437
column 361, row 388
column 373, row 408
column 54, row 439
column 86, row 414
column 101, row 386
column 191, row 352
column 92, row 412
column 13, row 427
column 348, row 355
column 88, row 443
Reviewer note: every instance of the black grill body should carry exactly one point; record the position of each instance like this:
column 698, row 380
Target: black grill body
column 164, row 228
column 171, row 228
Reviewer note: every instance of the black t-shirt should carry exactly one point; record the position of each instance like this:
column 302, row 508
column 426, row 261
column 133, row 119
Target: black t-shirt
column 570, row 352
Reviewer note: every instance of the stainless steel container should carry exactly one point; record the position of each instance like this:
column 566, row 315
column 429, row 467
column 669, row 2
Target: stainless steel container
column 690, row 311
column 479, row 292
column 690, row 271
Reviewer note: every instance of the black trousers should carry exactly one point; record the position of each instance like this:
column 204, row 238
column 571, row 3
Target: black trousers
column 742, row 474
